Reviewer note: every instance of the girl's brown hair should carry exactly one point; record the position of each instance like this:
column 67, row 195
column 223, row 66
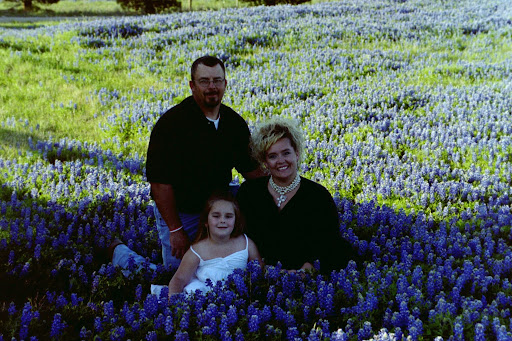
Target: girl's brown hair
column 203, row 230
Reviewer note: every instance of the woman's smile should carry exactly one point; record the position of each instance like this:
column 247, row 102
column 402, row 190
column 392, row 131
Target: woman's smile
column 281, row 161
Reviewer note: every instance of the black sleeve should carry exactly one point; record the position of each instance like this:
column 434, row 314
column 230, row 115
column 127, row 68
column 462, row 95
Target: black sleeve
column 328, row 246
column 162, row 156
column 244, row 160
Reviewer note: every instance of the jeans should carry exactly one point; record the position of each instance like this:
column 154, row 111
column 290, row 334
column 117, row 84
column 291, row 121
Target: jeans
column 190, row 223
column 122, row 255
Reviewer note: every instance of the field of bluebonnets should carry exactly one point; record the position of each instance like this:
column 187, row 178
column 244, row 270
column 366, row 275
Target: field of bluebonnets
column 406, row 107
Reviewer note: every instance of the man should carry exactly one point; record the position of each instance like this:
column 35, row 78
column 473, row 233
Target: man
column 192, row 151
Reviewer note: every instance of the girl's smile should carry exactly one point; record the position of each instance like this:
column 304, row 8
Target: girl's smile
column 221, row 219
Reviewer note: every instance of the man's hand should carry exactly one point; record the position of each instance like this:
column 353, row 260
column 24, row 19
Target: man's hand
column 179, row 243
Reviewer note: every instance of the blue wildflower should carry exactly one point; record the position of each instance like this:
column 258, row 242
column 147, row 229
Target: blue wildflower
column 169, row 326
column 254, row 323
column 12, row 309
column 117, row 333
column 138, row 292
column 151, row 336
column 57, row 326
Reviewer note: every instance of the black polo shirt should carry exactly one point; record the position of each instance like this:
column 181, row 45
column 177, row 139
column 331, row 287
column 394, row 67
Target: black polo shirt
column 186, row 151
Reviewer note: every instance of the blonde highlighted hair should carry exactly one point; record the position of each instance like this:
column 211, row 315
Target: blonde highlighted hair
column 271, row 131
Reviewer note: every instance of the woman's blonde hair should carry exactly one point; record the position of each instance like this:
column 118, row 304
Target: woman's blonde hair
column 273, row 130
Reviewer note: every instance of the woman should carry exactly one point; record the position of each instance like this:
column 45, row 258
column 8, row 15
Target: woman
column 292, row 219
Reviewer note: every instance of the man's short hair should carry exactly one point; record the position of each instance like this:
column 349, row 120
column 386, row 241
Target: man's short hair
column 209, row 61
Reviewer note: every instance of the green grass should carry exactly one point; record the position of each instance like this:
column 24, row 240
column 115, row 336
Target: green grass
column 46, row 75
column 84, row 8
column 64, row 8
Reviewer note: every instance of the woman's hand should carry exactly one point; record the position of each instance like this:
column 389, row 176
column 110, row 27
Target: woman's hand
column 304, row 267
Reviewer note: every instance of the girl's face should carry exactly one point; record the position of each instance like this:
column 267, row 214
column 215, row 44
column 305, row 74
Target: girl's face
column 221, row 219
column 282, row 160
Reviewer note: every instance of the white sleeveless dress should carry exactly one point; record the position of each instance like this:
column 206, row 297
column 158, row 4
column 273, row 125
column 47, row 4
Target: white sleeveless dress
column 217, row 269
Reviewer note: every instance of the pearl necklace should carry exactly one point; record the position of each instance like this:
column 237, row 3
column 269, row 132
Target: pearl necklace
column 283, row 190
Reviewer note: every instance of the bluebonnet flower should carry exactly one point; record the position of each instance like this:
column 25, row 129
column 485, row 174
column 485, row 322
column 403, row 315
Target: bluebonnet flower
column 270, row 331
column 95, row 283
column 292, row 333
column 151, row 305
column 108, row 309
column 253, row 323
column 255, row 270
column 290, row 319
column 151, row 336
column 75, row 300
column 289, row 281
column 84, row 333
column 184, row 321
column 207, row 330
column 23, row 332
column 279, row 313
column 265, row 314
column 10, row 259
column 479, row 332
column 239, row 336
column 57, row 326
column 98, row 326
column 272, row 272
column 366, row 332
column 138, row 292
column 416, row 329
column 232, row 316
column 280, row 298
column 159, row 321
column 169, row 326
column 37, row 252
column 240, row 285
column 132, row 266
column 324, row 326
column 117, row 333
column 398, row 333
column 271, row 294
column 92, row 306
column 27, row 315
column 315, row 335
column 458, row 331
column 12, row 309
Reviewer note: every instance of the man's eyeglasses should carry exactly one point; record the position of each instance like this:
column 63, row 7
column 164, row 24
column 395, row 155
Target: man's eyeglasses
column 203, row 82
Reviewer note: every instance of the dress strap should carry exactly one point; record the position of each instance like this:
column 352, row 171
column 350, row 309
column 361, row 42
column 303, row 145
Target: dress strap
column 246, row 242
column 197, row 254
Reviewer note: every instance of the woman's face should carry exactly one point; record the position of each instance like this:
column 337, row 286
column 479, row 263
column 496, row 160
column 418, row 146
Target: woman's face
column 282, row 160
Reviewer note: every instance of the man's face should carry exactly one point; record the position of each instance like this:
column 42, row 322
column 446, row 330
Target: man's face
column 208, row 85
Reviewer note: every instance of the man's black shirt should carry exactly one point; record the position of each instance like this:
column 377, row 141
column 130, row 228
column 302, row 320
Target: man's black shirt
column 186, row 151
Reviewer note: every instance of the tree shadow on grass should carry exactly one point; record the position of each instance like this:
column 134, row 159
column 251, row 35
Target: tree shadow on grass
column 68, row 150
column 11, row 139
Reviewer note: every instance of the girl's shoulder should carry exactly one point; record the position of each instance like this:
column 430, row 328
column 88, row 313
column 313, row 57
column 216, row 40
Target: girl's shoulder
column 201, row 245
column 239, row 240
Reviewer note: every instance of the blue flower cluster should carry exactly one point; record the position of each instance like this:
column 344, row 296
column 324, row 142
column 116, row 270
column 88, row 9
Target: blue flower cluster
column 406, row 110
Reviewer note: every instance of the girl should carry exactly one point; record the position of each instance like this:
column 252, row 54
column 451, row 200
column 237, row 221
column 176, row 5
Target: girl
column 220, row 247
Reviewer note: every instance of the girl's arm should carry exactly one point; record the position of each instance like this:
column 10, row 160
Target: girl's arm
column 184, row 274
column 307, row 266
column 254, row 254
